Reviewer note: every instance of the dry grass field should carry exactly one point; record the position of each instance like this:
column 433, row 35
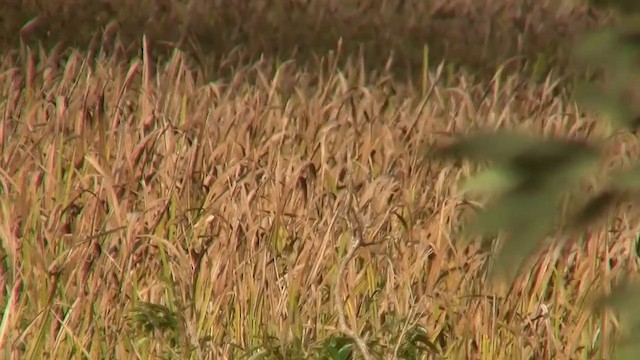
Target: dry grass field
column 146, row 212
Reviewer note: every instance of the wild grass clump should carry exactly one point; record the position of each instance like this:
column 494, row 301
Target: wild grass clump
column 146, row 212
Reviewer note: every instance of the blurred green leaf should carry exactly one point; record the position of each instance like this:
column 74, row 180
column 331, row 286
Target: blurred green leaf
column 526, row 218
column 555, row 160
column 594, row 47
column 515, row 212
column 627, row 351
column 622, row 299
column 614, row 51
column 623, row 6
column 492, row 181
column 499, row 147
column 594, row 208
column 623, row 302
column 526, row 155
column 627, row 180
column 615, row 110
column 517, row 248
column 527, row 183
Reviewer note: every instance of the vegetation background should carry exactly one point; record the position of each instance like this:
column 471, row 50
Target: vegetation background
column 479, row 35
column 254, row 179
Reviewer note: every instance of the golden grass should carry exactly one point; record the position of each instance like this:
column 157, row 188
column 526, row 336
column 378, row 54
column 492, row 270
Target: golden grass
column 146, row 213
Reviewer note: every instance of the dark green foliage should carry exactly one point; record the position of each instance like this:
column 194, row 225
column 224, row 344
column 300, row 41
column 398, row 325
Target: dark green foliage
column 151, row 317
column 531, row 163
column 625, row 6
column 416, row 344
column 616, row 52
column 530, row 177
column 151, row 320
column 528, row 180
column 624, row 299
column 594, row 208
column 339, row 348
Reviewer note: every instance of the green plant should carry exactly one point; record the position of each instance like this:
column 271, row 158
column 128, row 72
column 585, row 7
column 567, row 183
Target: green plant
column 537, row 186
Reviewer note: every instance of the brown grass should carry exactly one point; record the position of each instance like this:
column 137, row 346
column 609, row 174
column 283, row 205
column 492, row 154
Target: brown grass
column 479, row 35
column 231, row 206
